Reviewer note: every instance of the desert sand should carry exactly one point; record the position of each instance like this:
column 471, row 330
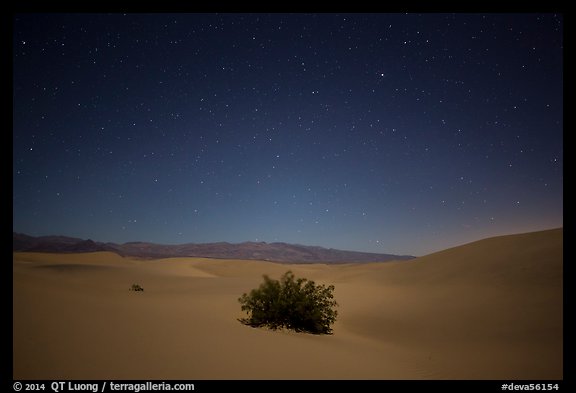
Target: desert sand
column 491, row 309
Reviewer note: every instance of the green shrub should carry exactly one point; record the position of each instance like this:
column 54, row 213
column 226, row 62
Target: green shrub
column 296, row 304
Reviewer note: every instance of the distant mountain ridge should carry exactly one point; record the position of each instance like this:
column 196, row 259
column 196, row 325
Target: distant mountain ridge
column 276, row 252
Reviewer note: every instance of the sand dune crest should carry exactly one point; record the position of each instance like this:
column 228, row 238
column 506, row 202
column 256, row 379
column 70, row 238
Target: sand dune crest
column 486, row 310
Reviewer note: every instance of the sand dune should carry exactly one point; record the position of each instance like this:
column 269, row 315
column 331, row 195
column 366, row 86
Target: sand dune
column 486, row 310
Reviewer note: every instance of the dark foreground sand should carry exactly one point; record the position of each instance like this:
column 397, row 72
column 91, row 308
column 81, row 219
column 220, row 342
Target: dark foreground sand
column 486, row 310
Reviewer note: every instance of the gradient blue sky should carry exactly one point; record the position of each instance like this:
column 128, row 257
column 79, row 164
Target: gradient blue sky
column 394, row 133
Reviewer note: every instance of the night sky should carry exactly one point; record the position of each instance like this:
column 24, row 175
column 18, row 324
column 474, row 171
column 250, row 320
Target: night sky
column 393, row 133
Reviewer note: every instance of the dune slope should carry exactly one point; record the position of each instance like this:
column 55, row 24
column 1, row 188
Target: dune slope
column 486, row 310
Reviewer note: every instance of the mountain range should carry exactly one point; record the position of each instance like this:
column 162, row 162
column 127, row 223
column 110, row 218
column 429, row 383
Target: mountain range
column 276, row 252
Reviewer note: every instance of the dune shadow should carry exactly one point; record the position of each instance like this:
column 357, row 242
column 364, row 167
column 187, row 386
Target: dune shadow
column 73, row 268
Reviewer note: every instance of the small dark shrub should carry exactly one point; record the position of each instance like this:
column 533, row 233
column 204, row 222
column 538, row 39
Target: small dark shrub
column 294, row 303
column 136, row 287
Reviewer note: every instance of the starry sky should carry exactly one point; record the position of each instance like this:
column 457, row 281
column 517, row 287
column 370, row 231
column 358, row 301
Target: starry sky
column 394, row 133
